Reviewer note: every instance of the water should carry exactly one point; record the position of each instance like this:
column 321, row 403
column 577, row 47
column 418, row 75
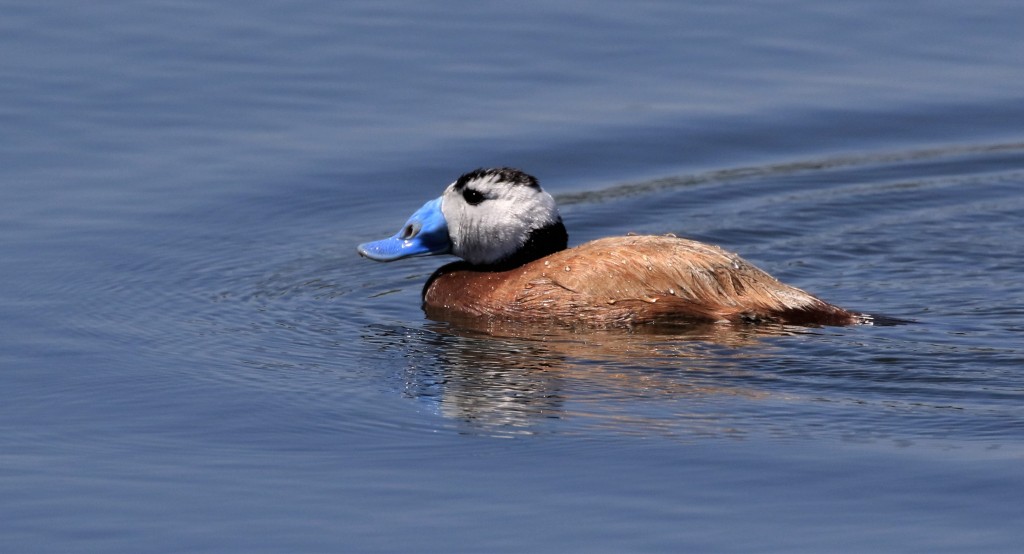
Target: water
column 193, row 358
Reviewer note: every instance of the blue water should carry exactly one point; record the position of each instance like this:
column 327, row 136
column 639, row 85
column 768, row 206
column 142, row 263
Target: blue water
column 193, row 358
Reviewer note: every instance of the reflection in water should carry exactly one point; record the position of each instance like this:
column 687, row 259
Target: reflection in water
column 507, row 379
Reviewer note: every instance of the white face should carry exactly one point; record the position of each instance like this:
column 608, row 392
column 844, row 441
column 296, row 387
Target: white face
column 491, row 214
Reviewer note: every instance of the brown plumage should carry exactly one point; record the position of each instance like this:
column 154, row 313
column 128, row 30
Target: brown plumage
column 624, row 281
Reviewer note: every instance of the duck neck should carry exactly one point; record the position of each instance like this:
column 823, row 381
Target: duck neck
column 541, row 242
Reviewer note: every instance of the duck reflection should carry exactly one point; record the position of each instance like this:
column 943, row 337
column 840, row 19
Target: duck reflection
column 512, row 379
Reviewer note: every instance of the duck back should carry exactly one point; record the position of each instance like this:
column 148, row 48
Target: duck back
column 626, row 281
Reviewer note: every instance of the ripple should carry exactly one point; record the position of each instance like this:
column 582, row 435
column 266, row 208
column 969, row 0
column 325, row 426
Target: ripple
column 318, row 340
column 668, row 386
column 879, row 232
column 762, row 173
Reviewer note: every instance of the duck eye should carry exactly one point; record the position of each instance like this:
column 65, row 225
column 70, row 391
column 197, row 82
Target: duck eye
column 472, row 196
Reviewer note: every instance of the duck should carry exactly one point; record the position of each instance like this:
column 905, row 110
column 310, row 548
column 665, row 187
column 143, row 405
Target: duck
column 515, row 266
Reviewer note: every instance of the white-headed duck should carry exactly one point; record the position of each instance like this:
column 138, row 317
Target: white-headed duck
column 516, row 267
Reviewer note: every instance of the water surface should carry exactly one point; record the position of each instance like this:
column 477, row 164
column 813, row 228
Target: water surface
column 193, row 357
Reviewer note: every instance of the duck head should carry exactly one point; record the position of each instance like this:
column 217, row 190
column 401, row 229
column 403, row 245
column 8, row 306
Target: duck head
column 488, row 217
